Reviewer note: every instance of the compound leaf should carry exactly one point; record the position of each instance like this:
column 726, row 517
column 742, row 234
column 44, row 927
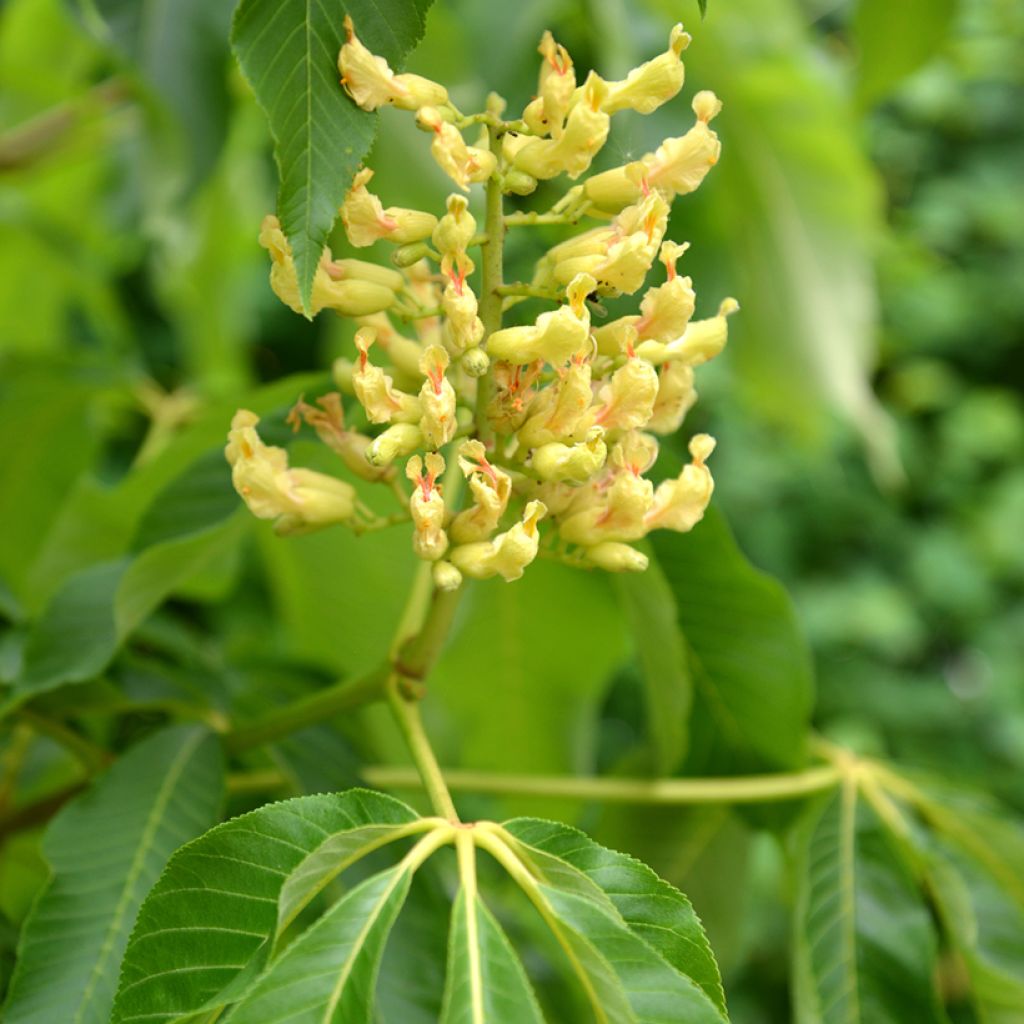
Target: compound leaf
column 105, row 850
column 208, row 927
column 865, row 948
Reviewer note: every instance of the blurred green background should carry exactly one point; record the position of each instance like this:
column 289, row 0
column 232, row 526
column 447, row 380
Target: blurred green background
column 868, row 213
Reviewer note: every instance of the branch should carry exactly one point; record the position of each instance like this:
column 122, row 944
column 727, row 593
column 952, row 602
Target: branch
column 740, row 789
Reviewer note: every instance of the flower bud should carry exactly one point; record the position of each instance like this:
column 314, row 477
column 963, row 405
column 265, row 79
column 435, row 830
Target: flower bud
column 680, row 504
column 371, row 83
column 366, row 221
column 437, row 398
column 407, row 255
column 361, row 270
column 399, row 440
column 613, row 556
column 651, row 84
column 518, row 183
column 475, row 362
column 617, row 188
column 573, row 463
column 446, row 576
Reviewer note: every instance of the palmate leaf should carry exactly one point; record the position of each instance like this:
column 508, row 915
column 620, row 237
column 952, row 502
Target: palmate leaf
column 207, row 940
column 751, row 666
column 209, row 926
column 288, row 50
column 865, row 947
column 106, row 849
column 974, row 861
column 651, row 908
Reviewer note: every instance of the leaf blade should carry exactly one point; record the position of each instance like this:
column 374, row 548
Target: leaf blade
column 156, row 797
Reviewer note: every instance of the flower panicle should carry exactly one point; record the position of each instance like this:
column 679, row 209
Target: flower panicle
column 533, row 439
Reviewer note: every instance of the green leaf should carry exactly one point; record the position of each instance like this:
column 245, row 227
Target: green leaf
column 161, row 38
column 751, row 666
column 651, row 612
column 895, row 40
column 209, row 925
column 655, row 911
column 865, row 947
column 625, row 978
column 973, row 859
column 98, row 608
column 288, row 50
column 106, row 849
column 486, row 980
column 330, row 971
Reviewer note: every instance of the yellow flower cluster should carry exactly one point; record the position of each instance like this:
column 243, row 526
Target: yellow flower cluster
column 554, row 420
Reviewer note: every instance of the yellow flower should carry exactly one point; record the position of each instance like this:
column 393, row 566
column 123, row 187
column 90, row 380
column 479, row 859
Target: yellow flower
column 375, row 389
column 575, row 463
column 613, row 556
column 572, row 151
column 555, row 86
column 508, row 554
column 463, row 327
column 679, row 165
column 366, row 220
column 426, row 504
column 437, row 398
column 371, row 83
column 680, row 504
column 351, row 297
column 627, row 400
column 456, row 228
column 618, row 514
column 561, row 411
column 554, row 338
column 329, row 423
column 462, row 163
column 399, row 440
column 299, row 500
column 651, row 84
column 491, row 488
column 676, row 397
column 703, row 339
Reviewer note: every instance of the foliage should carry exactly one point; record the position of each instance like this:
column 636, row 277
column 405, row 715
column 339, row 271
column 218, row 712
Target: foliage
column 184, row 828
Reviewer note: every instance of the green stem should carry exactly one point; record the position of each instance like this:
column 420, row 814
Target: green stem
column 407, row 715
column 531, row 291
column 492, row 252
column 344, row 696
column 731, row 790
column 92, row 757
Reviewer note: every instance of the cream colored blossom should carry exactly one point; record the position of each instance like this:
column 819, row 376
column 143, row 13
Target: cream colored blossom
column 371, row 83
column 298, row 500
column 437, row 398
column 680, row 504
column 627, row 400
column 366, row 220
column 508, row 554
column 351, row 296
column 618, row 513
column 426, row 505
column 653, row 83
column 575, row 463
column 614, row 556
column 375, row 389
column 679, row 165
column 327, row 418
column 561, row 411
column 456, row 228
column 462, row 163
column 676, row 397
column 491, row 489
